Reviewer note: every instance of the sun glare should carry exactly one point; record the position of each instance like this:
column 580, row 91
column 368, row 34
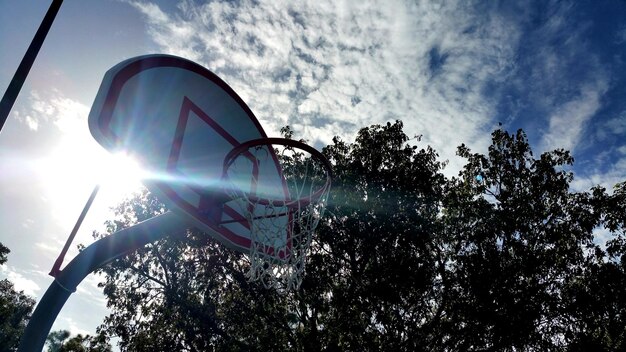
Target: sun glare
column 76, row 166
column 120, row 174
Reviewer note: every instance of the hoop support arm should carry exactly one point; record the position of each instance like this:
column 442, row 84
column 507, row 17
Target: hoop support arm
column 91, row 258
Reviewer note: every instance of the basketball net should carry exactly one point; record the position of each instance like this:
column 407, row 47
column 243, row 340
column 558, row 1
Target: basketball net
column 281, row 219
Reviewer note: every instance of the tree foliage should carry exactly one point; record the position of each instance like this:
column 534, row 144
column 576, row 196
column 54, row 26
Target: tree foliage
column 502, row 257
column 62, row 341
column 15, row 310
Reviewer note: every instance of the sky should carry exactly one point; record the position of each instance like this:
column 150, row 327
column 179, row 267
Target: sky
column 450, row 70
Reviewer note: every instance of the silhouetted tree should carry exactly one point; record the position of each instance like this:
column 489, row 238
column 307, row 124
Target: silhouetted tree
column 62, row 341
column 501, row 258
column 15, row 310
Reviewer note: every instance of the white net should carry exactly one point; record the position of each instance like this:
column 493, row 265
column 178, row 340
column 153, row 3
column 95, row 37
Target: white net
column 282, row 191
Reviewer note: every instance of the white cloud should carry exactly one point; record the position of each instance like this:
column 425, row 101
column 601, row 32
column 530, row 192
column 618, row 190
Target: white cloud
column 331, row 67
column 28, row 223
column 617, row 125
column 90, row 291
column 73, row 328
column 567, row 123
column 607, row 179
column 601, row 236
column 50, row 248
column 31, row 122
column 20, row 282
column 68, row 115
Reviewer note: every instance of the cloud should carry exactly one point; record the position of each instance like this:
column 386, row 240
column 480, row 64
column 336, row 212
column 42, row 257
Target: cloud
column 607, row 166
column 620, row 35
column 90, row 291
column 567, row 123
column 608, row 178
column 617, row 125
column 28, row 223
column 72, row 327
column 601, row 236
column 46, row 247
column 68, row 115
column 558, row 85
column 333, row 67
column 31, row 122
column 20, row 282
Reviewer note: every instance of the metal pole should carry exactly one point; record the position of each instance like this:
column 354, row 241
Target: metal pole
column 27, row 62
column 56, row 268
column 91, row 258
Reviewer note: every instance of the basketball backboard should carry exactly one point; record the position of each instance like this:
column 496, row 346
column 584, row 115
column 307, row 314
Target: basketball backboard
column 179, row 120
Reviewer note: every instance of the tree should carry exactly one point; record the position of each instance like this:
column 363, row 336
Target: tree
column 501, row 257
column 162, row 303
column 519, row 237
column 15, row 310
column 62, row 341
column 597, row 297
column 55, row 340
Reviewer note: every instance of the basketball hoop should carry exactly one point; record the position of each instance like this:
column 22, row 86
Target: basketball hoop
column 281, row 217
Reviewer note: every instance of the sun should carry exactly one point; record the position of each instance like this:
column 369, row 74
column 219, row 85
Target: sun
column 120, row 174
column 71, row 170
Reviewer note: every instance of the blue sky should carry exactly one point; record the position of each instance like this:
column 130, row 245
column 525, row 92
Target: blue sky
column 451, row 70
